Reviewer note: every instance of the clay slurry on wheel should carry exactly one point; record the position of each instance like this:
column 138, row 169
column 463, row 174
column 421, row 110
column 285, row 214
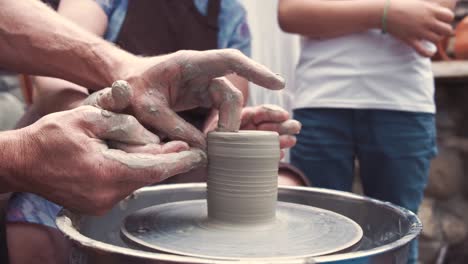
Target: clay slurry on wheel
column 183, row 228
column 241, row 218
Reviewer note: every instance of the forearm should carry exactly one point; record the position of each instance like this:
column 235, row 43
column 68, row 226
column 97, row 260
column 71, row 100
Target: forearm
column 12, row 160
column 36, row 40
column 49, row 89
column 325, row 19
column 63, row 99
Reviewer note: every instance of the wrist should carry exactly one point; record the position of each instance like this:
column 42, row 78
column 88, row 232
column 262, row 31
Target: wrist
column 376, row 10
column 135, row 72
column 15, row 155
column 111, row 63
column 127, row 67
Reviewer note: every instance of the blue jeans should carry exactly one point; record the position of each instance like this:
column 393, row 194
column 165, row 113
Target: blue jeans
column 394, row 150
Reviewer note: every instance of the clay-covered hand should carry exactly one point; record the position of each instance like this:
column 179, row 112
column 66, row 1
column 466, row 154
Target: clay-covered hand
column 187, row 79
column 65, row 158
column 417, row 21
column 116, row 99
column 271, row 118
column 266, row 117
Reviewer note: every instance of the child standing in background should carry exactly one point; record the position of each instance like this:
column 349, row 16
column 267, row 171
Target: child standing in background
column 365, row 90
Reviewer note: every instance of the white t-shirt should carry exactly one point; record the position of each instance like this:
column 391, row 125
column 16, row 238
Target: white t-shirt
column 368, row 70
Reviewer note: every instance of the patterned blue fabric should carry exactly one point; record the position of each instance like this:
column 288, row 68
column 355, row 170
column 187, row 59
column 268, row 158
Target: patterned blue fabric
column 233, row 28
column 115, row 11
column 30, row 208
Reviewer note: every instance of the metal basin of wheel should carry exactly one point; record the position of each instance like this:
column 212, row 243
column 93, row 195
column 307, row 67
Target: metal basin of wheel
column 387, row 229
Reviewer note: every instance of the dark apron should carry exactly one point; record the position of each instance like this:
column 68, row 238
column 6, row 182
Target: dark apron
column 155, row 27
column 3, row 240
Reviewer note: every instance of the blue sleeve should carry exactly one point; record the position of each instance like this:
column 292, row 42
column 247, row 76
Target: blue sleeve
column 234, row 30
column 116, row 10
column 108, row 6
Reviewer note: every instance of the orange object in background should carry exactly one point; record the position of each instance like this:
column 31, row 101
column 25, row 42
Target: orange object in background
column 26, row 88
column 447, row 43
column 441, row 53
column 461, row 40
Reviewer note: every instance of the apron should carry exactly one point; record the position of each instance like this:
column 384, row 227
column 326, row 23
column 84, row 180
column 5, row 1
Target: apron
column 3, row 244
column 155, row 27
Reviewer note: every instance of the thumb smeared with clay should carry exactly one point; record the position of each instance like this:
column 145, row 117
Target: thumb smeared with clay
column 115, row 99
column 127, row 135
column 123, row 128
column 118, row 127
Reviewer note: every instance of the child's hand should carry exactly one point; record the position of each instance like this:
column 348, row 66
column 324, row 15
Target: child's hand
column 450, row 4
column 416, row 21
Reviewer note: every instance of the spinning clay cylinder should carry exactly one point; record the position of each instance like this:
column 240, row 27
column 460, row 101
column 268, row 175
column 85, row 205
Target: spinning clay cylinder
column 243, row 176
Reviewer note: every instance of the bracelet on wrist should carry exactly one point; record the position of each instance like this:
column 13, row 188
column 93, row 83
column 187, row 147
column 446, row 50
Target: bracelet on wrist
column 384, row 16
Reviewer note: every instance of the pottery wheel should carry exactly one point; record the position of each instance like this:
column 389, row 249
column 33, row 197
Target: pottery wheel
column 183, row 228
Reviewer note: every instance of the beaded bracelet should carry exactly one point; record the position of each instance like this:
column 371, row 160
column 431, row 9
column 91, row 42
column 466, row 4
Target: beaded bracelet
column 384, row 17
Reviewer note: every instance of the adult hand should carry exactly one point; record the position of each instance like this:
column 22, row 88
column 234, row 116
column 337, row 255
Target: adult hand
column 187, row 79
column 118, row 98
column 417, row 21
column 266, row 117
column 66, row 158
